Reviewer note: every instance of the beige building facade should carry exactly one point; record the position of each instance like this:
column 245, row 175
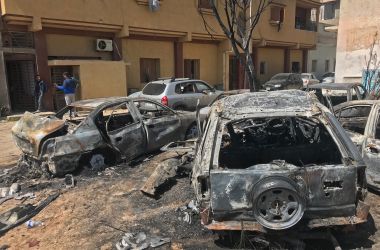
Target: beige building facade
column 141, row 44
column 359, row 22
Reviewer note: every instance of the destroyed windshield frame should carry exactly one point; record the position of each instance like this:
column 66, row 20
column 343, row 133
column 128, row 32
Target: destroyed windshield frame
column 324, row 121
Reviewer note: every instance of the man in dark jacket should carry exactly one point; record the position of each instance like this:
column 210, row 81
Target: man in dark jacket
column 39, row 91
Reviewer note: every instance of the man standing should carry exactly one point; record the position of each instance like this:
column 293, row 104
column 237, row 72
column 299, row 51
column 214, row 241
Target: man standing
column 68, row 87
column 39, row 90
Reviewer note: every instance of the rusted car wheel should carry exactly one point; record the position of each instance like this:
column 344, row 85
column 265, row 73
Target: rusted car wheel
column 277, row 203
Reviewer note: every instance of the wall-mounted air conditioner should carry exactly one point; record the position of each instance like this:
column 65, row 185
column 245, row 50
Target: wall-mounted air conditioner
column 104, row 45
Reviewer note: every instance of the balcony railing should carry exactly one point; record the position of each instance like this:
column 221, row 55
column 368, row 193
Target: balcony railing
column 310, row 26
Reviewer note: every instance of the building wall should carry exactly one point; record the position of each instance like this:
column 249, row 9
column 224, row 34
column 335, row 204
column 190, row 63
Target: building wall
column 74, row 46
column 136, row 49
column 358, row 23
column 98, row 78
column 287, row 32
column 322, row 53
column 295, row 56
column 274, row 60
column 208, row 56
column 69, row 31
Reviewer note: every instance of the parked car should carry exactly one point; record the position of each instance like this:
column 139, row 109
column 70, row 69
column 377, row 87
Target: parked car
column 328, row 77
column 361, row 121
column 284, row 81
column 336, row 93
column 106, row 130
column 180, row 93
column 309, row 78
column 275, row 160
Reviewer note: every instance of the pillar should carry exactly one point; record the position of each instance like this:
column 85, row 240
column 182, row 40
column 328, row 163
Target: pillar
column 286, row 60
column 178, row 59
column 304, row 60
column 43, row 68
column 4, row 94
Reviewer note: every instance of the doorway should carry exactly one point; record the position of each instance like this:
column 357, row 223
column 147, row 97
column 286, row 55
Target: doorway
column 21, row 84
column 192, row 68
column 236, row 74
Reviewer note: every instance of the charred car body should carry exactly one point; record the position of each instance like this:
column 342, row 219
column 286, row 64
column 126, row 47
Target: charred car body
column 105, row 130
column 268, row 160
column 361, row 119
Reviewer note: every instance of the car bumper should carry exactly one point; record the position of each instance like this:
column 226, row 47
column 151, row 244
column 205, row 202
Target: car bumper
column 360, row 216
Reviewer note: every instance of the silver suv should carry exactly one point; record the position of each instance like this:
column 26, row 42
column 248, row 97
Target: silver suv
column 180, row 93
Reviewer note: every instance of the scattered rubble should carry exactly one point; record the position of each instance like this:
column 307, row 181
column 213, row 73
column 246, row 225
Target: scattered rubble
column 22, row 213
column 140, row 241
column 188, row 211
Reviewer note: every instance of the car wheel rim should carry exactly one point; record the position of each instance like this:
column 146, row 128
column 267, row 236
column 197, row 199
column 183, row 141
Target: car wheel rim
column 278, row 208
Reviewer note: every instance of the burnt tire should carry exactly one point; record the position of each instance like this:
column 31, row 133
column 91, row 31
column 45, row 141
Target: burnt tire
column 277, row 203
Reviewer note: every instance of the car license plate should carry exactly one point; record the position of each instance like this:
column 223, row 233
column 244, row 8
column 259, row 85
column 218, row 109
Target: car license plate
column 268, row 88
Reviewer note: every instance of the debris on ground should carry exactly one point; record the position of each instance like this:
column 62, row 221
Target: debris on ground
column 188, row 211
column 69, row 181
column 140, row 241
column 176, row 164
column 32, row 223
column 21, row 213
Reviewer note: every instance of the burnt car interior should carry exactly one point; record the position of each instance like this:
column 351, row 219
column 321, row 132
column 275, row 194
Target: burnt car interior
column 114, row 118
column 151, row 110
column 296, row 140
column 354, row 118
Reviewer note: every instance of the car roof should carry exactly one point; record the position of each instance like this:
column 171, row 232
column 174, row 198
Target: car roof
column 175, row 80
column 357, row 102
column 281, row 102
column 334, row 86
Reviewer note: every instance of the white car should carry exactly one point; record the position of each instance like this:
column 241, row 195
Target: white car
column 309, row 78
column 328, row 77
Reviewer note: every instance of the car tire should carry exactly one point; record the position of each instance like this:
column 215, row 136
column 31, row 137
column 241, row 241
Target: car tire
column 192, row 132
column 277, row 203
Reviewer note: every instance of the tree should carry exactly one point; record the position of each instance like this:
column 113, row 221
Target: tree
column 371, row 71
column 238, row 19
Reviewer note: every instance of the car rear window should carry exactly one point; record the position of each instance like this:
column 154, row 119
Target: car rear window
column 154, row 89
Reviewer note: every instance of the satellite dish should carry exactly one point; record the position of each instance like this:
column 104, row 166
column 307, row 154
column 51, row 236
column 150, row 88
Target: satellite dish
column 154, row 5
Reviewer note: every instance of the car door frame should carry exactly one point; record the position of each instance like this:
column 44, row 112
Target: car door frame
column 151, row 135
column 206, row 98
column 352, row 105
column 133, row 149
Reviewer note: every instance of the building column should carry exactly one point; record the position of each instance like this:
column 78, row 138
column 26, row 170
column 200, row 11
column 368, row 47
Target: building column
column 286, row 60
column 43, row 68
column 304, row 60
column 4, row 94
column 178, row 59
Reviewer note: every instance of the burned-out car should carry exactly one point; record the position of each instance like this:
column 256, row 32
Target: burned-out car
column 271, row 160
column 361, row 119
column 103, row 131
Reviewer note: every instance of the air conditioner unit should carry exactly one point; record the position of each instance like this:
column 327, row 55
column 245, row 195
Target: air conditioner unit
column 104, row 45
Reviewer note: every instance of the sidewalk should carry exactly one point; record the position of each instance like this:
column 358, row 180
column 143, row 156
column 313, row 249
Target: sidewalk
column 9, row 153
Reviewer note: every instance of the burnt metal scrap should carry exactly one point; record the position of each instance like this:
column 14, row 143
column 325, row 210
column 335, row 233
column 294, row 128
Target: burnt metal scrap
column 277, row 160
column 106, row 131
column 177, row 160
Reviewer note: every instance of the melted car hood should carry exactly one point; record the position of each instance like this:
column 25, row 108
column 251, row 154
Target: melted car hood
column 31, row 129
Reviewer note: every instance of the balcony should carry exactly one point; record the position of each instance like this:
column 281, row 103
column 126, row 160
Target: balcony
column 306, row 19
